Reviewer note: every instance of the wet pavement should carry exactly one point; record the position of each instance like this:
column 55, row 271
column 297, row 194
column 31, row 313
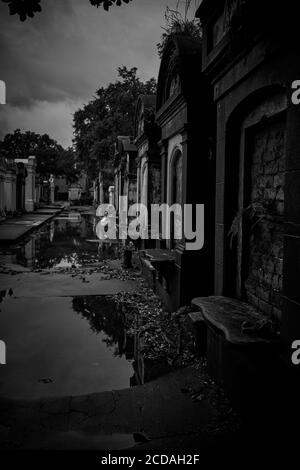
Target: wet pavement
column 75, row 376
column 15, row 228
column 163, row 414
column 56, row 344
column 67, row 240
column 56, row 347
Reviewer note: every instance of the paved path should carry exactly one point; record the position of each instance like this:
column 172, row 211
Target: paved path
column 12, row 230
column 162, row 411
column 57, row 285
column 167, row 413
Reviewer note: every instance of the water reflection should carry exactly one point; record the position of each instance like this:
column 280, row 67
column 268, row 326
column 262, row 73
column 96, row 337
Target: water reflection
column 120, row 323
column 67, row 241
column 59, row 355
column 80, row 361
column 6, row 293
column 104, row 316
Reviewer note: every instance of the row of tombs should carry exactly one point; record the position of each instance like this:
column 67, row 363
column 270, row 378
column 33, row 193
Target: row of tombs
column 20, row 188
column 223, row 131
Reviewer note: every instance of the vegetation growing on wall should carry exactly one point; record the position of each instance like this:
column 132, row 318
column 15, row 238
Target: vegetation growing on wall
column 178, row 23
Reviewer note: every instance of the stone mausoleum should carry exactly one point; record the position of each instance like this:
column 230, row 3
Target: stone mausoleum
column 148, row 162
column 251, row 62
column 184, row 115
column 125, row 176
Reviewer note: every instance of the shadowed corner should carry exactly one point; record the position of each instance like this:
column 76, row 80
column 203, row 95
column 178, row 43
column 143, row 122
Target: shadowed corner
column 2, row 92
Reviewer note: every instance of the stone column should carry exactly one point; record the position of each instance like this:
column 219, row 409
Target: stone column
column 1, row 191
column 2, row 92
column 111, row 191
column 37, row 190
column 52, row 190
column 163, row 145
column 14, row 192
column 101, row 191
column 9, row 188
column 95, row 198
column 138, row 179
column 30, row 184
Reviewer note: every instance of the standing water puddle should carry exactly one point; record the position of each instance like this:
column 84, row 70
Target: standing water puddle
column 72, row 345
column 60, row 346
column 69, row 240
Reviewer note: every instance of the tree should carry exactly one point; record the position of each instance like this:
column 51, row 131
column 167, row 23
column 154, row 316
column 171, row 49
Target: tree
column 109, row 114
column 51, row 157
column 28, row 8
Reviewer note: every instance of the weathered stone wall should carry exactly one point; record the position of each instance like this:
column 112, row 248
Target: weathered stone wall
column 132, row 192
column 265, row 241
column 155, row 185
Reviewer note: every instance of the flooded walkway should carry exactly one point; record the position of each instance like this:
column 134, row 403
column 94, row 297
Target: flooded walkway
column 75, row 376
column 68, row 240
column 56, row 346
column 12, row 229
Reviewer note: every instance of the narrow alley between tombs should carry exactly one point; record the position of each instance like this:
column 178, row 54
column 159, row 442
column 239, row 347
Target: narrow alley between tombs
column 149, row 226
column 92, row 354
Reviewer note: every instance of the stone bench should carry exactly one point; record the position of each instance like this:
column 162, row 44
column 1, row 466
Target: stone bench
column 158, row 256
column 238, row 358
column 228, row 315
column 155, row 263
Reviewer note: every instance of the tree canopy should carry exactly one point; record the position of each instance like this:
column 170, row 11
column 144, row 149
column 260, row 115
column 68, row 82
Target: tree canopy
column 51, row 157
column 109, row 114
column 28, row 8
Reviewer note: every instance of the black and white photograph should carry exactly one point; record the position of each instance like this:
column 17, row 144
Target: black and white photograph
column 149, row 230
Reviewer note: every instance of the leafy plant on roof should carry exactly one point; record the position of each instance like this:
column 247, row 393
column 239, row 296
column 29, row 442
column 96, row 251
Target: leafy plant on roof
column 179, row 23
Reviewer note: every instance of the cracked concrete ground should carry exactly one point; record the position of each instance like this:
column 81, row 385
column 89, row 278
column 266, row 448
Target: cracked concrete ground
column 162, row 414
column 161, row 411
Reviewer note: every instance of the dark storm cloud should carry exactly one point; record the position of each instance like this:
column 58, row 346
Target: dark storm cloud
column 37, row 57
column 57, row 60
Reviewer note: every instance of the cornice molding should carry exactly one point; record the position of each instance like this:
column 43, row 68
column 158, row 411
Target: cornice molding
column 170, row 108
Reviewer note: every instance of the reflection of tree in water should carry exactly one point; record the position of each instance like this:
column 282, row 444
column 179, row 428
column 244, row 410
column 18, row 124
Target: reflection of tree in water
column 108, row 250
column 104, row 316
column 70, row 243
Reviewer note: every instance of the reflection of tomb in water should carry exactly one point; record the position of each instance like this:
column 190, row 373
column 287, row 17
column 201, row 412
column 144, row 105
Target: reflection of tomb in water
column 108, row 249
column 115, row 319
column 74, row 217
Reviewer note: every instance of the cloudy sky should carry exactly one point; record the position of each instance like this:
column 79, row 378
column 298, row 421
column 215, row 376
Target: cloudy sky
column 53, row 64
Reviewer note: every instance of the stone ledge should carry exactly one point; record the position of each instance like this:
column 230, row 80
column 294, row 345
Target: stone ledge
column 158, row 255
column 227, row 315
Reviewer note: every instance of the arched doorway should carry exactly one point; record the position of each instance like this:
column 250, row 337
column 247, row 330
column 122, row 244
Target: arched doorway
column 255, row 181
